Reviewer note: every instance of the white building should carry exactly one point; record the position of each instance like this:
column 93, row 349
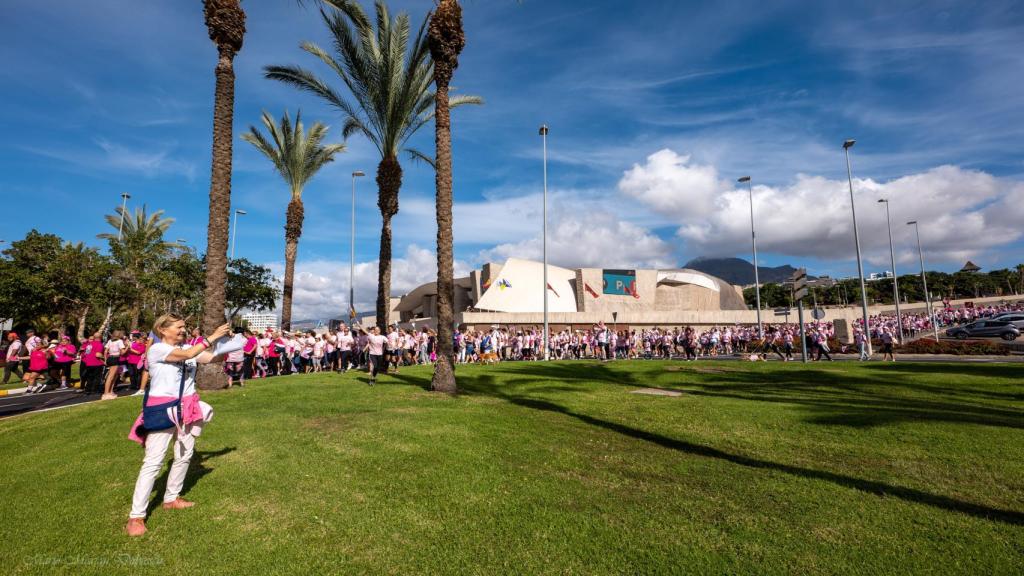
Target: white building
column 260, row 321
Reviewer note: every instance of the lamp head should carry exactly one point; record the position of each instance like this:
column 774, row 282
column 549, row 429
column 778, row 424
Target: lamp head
column 241, row 212
column 543, row 130
column 744, row 179
column 849, row 144
column 912, row 223
column 125, row 195
column 882, row 200
column 358, row 173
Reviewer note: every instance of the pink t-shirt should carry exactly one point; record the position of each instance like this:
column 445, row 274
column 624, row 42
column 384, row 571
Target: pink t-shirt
column 250, row 345
column 91, row 353
column 37, row 361
column 135, row 351
column 64, row 353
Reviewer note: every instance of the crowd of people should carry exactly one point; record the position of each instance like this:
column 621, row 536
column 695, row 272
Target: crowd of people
column 105, row 364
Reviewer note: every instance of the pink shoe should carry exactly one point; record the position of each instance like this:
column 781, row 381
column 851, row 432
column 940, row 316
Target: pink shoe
column 135, row 527
column 178, row 504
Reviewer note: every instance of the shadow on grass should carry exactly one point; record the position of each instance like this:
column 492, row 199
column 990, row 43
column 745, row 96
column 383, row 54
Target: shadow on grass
column 196, row 470
column 832, row 399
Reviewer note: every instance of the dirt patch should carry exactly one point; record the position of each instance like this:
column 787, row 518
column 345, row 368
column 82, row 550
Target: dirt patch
column 657, row 392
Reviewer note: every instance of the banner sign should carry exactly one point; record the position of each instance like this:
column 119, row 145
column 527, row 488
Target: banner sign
column 620, row 282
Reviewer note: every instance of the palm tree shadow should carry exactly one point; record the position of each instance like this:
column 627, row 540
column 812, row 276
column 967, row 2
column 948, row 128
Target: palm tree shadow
column 486, row 384
column 196, row 470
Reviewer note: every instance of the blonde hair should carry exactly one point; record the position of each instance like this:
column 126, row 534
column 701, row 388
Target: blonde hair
column 163, row 322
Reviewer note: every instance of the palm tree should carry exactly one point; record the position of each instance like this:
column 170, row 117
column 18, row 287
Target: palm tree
column 225, row 22
column 446, row 40
column 297, row 156
column 390, row 84
column 137, row 249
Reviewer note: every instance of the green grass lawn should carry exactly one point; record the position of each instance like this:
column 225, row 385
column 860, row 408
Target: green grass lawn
column 548, row 469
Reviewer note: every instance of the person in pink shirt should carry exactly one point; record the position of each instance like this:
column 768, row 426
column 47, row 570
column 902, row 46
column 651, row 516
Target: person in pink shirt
column 11, row 361
column 133, row 359
column 249, row 351
column 92, row 364
column 38, row 364
column 64, row 357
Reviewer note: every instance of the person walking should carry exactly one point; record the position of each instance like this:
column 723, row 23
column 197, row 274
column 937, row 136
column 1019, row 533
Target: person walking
column 173, row 369
column 12, row 362
column 64, row 358
column 887, row 343
column 375, row 344
column 112, row 351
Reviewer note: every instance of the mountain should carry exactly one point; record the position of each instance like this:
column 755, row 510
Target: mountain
column 740, row 272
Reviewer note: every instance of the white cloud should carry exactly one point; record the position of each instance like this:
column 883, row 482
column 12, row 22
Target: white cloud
column 962, row 212
column 582, row 237
column 322, row 286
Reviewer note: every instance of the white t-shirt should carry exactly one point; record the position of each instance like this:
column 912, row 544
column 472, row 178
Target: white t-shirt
column 165, row 377
column 376, row 343
column 115, row 347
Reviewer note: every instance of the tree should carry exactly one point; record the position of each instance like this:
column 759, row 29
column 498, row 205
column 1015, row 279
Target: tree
column 446, row 40
column 138, row 248
column 389, row 81
column 225, row 22
column 250, row 286
column 297, row 156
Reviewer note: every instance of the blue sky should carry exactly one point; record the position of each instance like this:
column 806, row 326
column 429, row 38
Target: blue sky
column 655, row 109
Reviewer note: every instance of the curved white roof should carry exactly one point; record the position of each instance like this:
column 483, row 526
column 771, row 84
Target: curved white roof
column 519, row 288
column 686, row 276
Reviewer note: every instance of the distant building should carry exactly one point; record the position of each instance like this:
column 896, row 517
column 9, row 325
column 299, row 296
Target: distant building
column 259, row 321
column 513, row 293
column 875, row 276
column 970, row 267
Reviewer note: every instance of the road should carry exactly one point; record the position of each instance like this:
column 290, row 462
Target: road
column 14, row 405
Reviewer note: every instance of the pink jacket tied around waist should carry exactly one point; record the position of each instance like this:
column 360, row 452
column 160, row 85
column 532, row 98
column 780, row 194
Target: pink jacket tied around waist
column 193, row 412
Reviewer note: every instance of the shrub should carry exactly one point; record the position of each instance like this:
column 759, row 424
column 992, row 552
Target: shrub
column 954, row 347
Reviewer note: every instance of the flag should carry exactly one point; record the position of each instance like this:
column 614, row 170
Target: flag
column 590, row 290
column 553, row 290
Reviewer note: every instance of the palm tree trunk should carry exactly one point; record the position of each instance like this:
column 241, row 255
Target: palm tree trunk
column 226, row 23
column 106, row 320
column 389, row 182
column 292, row 232
column 446, row 39
column 81, row 323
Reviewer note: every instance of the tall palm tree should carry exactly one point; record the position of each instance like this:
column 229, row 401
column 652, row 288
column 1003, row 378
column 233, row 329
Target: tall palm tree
column 446, row 40
column 389, row 81
column 137, row 248
column 225, row 22
column 297, row 156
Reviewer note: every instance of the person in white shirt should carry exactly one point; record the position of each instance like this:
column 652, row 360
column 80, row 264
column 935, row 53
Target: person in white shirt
column 375, row 344
column 170, row 365
column 113, row 350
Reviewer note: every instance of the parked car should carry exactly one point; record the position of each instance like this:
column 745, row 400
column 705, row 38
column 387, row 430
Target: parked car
column 999, row 328
column 1015, row 318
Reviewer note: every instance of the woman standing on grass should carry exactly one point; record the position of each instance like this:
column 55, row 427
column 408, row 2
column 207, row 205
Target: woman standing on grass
column 170, row 364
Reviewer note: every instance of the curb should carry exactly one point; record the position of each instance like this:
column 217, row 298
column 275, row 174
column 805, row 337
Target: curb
column 13, row 392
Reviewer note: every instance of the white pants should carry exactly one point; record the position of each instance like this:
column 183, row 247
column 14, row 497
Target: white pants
column 153, row 461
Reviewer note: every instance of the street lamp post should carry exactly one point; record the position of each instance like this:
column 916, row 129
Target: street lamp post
column 352, row 252
column 856, row 239
column 753, row 243
column 544, row 139
column 895, row 276
column 234, row 230
column 124, row 206
column 924, row 280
